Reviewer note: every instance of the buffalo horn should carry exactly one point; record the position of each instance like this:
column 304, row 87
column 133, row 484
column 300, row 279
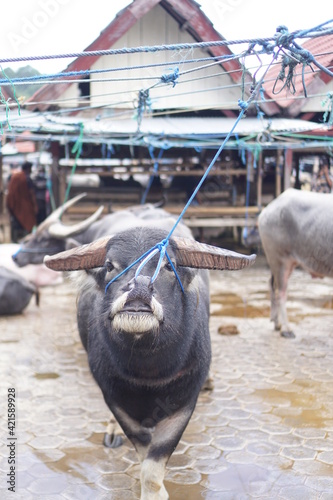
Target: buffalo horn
column 61, row 231
column 56, row 215
column 83, row 257
column 189, row 253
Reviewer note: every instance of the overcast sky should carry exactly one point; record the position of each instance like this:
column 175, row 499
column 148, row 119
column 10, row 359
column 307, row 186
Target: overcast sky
column 47, row 27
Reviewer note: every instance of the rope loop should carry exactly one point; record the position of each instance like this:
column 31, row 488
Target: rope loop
column 287, row 80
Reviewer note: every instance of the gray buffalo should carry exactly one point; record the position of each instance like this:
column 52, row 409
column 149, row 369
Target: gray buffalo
column 143, row 317
column 53, row 236
column 296, row 229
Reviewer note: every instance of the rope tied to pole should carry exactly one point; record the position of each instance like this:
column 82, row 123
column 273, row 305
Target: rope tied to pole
column 77, row 150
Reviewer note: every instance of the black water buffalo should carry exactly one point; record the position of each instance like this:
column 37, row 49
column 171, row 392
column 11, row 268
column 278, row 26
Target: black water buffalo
column 296, row 229
column 143, row 319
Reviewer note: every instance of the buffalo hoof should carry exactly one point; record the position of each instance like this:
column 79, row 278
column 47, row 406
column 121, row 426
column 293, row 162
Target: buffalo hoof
column 288, row 334
column 208, row 384
column 112, row 440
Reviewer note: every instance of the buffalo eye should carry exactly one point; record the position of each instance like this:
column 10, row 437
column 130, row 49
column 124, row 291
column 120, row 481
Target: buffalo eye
column 109, row 266
column 168, row 266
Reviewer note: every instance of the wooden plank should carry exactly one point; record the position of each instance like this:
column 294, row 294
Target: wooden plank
column 205, row 211
column 195, row 212
column 220, row 222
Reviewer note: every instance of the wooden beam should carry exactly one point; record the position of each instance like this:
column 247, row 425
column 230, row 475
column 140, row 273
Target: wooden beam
column 288, row 166
column 259, row 180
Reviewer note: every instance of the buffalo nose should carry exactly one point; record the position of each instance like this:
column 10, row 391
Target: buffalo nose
column 141, row 290
column 141, row 286
column 144, row 281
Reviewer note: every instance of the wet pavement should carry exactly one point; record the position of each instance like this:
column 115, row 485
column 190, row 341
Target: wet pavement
column 264, row 432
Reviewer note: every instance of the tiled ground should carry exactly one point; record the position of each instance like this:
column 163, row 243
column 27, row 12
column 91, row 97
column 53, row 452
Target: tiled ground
column 264, row 432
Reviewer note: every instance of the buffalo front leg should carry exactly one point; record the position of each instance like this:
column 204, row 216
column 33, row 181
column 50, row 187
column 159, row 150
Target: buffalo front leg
column 155, row 439
column 274, row 304
column 279, row 298
column 152, row 477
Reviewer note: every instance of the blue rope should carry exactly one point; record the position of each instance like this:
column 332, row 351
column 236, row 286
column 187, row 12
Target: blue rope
column 159, row 247
column 127, row 269
column 243, row 105
column 151, row 178
column 77, row 148
column 180, row 46
column 134, row 50
column 13, row 88
column 88, row 72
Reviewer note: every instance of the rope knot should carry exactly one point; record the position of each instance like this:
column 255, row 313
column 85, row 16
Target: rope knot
column 268, row 47
column 282, row 37
column 305, row 56
column 144, row 102
column 243, row 105
column 171, row 77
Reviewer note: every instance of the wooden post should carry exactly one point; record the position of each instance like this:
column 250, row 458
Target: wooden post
column 259, row 181
column 288, row 166
column 55, row 172
column 278, row 173
column 2, row 193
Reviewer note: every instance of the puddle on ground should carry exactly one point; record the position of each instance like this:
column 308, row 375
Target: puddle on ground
column 233, row 305
column 324, row 302
column 310, row 411
column 45, row 376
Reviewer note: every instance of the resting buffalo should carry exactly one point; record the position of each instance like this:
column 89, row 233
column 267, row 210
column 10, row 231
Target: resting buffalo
column 296, row 229
column 15, row 292
column 143, row 319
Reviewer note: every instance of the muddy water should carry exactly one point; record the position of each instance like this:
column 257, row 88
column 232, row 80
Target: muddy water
column 264, row 431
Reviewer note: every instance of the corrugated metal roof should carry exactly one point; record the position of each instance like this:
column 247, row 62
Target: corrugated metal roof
column 158, row 127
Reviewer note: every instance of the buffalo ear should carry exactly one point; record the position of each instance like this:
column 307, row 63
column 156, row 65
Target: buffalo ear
column 191, row 253
column 79, row 258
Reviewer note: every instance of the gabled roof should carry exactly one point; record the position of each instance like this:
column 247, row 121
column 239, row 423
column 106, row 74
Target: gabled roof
column 314, row 79
column 190, row 18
